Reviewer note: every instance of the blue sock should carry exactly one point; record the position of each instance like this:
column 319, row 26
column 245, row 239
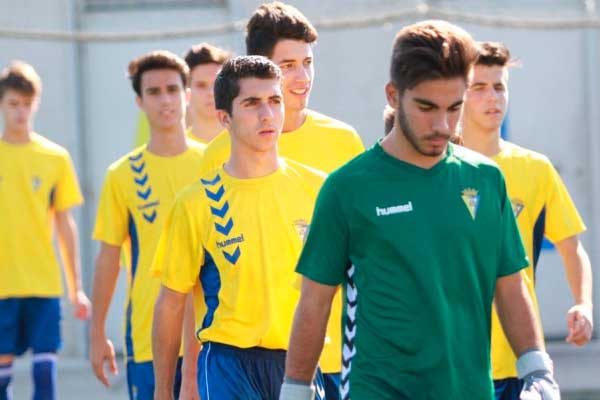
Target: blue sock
column 44, row 376
column 6, row 372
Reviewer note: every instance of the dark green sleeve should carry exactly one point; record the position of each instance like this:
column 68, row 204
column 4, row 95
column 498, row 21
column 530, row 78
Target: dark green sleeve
column 512, row 252
column 324, row 258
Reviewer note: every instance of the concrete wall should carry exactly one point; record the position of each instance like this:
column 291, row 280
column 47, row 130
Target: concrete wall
column 89, row 107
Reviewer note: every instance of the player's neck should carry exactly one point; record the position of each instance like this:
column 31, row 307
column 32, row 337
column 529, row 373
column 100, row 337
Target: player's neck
column 397, row 146
column 167, row 142
column 486, row 142
column 294, row 119
column 247, row 163
column 205, row 129
column 16, row 136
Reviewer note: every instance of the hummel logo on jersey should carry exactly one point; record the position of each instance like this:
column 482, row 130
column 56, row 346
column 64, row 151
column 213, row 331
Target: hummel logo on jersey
column 517, row 206
column 471, row 199
column 400, row 208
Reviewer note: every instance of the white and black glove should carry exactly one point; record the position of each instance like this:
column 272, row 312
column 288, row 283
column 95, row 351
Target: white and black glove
column 292, row 389
column 535, row 368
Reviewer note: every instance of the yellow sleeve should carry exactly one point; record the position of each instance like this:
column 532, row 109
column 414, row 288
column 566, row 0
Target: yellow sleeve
column 562, row 218
column 68, row 193
column 112, row 217
column 216, row 153
column 356, row 144
column 179, row 254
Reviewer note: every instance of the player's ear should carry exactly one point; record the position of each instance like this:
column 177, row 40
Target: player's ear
column 392, row 95
column 224, row 118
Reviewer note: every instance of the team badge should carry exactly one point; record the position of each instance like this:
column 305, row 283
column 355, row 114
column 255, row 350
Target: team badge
column 471, row 199
column 301, row 227
column 35, row 183
column 517, row 206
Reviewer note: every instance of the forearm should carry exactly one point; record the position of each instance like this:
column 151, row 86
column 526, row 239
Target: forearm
column 517, row 314
column 578, row 269
column 105, row 281
column 166, row 339
column 68, row 240
column 306, row 340
column 191, row 345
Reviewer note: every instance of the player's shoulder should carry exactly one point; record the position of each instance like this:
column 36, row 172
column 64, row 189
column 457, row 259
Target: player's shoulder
column 218, row 142
column 297, row 170
column 131, row 159
column 323, row 121
column 514, row 152
column 360, row 167
column 47, row 146
column 471, row 159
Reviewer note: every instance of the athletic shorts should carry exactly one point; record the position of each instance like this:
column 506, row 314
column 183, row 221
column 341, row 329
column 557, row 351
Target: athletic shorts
column 332, row 386
column 140, row 380
column 30, row 323
column 508, row 389
column 232, row 373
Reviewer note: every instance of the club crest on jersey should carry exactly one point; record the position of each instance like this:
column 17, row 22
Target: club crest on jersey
column 471, row 199
column 517, row 206
column 35, row 183
column 301, row 227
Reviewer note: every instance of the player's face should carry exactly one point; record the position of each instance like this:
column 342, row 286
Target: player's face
column 18, row 110
column 295, row 58
column 257, row 114
column 487, row 97
column 428, row 114
column 202, row 82
column 163, row 98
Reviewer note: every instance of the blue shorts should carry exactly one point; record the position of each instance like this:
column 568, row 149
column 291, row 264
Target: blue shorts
column 29, row 323
column 332, row 386
column 508, row 389
column 231, row 373
column 140, row 380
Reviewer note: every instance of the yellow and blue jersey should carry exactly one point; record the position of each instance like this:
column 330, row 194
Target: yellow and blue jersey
column 236, row 242
column 543, row 208
column 138, row 193
column 36, row 179
column 323, row 143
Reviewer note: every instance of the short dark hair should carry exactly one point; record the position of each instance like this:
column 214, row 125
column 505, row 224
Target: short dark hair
column 274, row 21
column 494, row 53
column 389, row 115
column 227, row 83
column 160, row 59
column 20, row 77
column 430, row 50
column 205, row 53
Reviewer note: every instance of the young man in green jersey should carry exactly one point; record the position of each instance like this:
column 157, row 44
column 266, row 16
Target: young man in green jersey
column 422, row 235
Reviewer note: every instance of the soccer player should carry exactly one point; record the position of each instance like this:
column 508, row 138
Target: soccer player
column 138, row 192
column 283, row 34
column 422, row 234
column 204, row 61
column 38, row 189
column 234, row 239
column 540, row 203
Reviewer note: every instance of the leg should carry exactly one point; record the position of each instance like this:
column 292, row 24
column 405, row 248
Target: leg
column 9, row 332
column 140, row 380
column 42, row 328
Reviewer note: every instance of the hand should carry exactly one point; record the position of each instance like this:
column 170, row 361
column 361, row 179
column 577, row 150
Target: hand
column 102, row 351
column 189, row 389
column 580, row 323
column 81, row 305
column 536, row 369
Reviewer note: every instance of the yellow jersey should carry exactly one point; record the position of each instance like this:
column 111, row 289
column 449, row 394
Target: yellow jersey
column 36, row 179
column 137, row 195
column 240, row 240
column 323, row 143
column 542, row 207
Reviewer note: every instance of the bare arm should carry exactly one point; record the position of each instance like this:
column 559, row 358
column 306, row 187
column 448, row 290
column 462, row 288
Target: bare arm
column 579, row 274
column 166, row 339
column 68, row 240
column 191, row 349
column 308, row 330
column 517, row 314
column 105, row 280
